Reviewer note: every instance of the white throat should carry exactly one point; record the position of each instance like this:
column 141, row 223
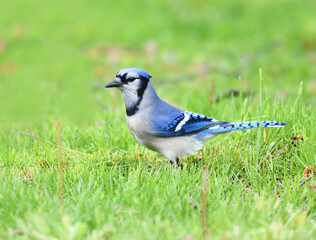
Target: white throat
column 129, row 97
column 136, row 98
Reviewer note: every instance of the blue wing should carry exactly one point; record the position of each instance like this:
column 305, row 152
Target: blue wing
column 169, row 121
column 183, row 123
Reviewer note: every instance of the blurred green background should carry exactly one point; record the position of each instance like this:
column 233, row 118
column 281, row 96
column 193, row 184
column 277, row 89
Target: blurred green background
column 56, row 56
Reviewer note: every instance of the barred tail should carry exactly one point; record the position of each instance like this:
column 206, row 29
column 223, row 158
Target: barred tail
column 228, row 127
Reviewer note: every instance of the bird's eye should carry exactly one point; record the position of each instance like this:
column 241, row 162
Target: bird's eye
column 131, row 79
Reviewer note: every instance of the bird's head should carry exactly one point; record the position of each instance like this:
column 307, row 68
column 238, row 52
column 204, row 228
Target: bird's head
column 132, row 82
column 130, row 79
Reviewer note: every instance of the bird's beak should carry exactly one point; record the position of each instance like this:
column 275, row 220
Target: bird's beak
column 114, row 83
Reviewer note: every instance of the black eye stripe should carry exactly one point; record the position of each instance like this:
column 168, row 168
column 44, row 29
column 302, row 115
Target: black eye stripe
column 123, row 78
column 126, row 80
column 130, row 79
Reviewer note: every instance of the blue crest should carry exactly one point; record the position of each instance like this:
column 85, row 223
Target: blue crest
column 138, row 71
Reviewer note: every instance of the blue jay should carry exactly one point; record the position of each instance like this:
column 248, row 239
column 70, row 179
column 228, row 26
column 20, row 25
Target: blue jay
column 163, row 128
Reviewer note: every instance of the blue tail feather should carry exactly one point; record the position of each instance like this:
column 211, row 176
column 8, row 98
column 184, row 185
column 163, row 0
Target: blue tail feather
column 228, row 127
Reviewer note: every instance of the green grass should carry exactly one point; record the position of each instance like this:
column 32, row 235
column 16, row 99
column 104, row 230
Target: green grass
column 55, row 58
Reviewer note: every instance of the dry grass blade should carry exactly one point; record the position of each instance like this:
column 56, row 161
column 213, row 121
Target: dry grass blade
column 308, row 170
column 60, row 163
column 306, row 175
column 264, row 135
column 204, row 202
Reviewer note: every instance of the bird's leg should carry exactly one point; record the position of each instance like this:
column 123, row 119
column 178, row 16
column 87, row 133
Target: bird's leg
column 199, row 157
column 175, row 162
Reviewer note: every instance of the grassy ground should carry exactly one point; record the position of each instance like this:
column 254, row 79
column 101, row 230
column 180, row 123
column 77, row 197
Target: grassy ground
column 55, row 58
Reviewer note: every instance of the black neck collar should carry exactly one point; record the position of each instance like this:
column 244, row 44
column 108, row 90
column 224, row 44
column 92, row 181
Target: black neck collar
column 132, row 110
